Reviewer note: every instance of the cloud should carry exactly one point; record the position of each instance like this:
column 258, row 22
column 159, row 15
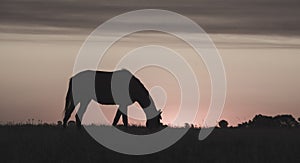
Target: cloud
column 218, row 16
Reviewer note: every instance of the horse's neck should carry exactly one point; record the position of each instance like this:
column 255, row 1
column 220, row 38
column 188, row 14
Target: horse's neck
column 149, row 108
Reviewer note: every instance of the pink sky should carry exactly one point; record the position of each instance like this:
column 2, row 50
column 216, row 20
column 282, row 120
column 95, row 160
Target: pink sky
column 261, row 59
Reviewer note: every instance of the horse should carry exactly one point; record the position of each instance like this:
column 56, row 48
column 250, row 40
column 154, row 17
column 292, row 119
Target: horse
column 119, row 87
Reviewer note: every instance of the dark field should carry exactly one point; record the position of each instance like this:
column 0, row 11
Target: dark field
column 43, row 144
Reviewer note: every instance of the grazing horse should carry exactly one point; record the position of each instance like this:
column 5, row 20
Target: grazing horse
column 109, row 88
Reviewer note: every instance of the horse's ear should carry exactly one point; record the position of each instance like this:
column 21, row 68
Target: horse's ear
column 160, row 111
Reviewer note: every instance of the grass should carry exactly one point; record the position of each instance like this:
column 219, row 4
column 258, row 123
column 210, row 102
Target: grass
column 46, row 143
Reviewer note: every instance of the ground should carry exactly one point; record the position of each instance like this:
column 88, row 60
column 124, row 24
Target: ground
column 32, row 143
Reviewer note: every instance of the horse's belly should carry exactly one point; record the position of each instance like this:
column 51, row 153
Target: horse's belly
column 106, row 101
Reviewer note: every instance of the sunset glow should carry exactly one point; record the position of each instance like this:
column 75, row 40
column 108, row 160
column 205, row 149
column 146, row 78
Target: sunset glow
column 261, row 64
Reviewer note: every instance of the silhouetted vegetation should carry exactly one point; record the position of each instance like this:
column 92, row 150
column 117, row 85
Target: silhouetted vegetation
column 59, row 123
column 71, row 123
column 279, row 121
column 223, row 124
column 262, row 139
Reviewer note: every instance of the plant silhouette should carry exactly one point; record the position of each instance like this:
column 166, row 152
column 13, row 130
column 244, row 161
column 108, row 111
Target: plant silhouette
column 279, row 121
column 223, row 124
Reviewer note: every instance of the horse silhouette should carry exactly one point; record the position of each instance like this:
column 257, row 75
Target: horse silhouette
column 109, row 88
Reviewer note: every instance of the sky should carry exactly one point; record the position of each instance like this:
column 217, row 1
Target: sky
column 258, row 41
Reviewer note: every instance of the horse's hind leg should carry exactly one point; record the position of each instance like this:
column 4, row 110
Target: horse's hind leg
column 69, row 108
column 80, row 112
column 117, row 117
column 124, row 115
column 122, row 110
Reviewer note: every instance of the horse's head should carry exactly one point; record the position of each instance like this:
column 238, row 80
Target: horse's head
column 155, row 121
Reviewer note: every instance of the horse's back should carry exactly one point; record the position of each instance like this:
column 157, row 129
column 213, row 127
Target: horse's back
column 102, row 76
column 102, row 82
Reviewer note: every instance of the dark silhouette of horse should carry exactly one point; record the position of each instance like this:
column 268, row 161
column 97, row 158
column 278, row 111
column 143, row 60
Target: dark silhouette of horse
column 109, row 88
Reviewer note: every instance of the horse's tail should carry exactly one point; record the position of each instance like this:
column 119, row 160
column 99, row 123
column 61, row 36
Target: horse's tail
column 69, row 97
